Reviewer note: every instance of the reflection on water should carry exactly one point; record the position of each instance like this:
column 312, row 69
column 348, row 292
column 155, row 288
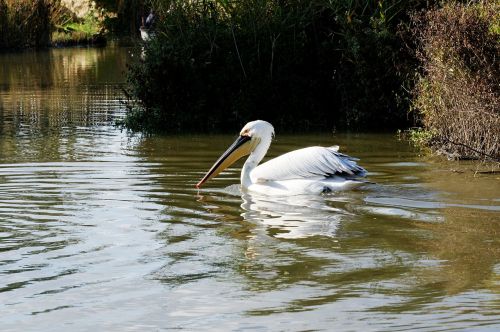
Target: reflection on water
column 100, row 229
column 56, row 88
column 294, row 216
column 377, row 250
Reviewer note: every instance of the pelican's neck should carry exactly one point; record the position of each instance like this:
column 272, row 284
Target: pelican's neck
column 253, row 160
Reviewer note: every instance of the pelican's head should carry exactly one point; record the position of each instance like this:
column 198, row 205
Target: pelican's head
column 252, row 134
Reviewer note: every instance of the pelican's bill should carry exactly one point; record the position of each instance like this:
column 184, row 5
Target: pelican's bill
column 240, row 148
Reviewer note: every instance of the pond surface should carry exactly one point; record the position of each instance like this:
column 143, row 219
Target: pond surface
column 103, row 230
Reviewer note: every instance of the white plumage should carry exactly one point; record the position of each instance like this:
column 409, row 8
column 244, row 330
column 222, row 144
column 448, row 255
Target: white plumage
column 314, row 161
column 310, row 170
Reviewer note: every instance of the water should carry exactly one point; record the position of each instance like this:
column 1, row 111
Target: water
column 101, row 229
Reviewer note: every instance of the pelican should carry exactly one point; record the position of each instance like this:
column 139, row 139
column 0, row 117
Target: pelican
column 311, row 170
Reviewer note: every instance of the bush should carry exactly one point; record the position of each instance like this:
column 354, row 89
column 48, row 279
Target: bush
column 298, row 64
column 458, row 94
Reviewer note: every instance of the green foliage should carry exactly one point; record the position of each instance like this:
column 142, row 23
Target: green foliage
column 419, row 137
column 298, row 64
column 71, row 30
column 89, row 26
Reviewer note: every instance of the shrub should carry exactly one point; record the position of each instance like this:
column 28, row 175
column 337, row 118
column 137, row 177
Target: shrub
column 458, row 94
column 298, row 64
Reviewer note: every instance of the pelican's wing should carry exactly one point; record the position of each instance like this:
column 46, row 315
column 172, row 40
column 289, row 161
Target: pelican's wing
column 315, row 161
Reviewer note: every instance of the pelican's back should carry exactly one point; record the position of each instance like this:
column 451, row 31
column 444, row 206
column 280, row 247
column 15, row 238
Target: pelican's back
column 311, row 162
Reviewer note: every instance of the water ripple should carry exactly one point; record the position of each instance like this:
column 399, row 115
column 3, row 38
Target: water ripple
column 104, row 230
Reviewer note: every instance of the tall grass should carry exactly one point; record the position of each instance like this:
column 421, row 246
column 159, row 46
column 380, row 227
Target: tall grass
column 458, row 93
column 300, row 64
column 25, row 23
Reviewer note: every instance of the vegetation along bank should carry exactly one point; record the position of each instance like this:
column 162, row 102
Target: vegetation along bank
column 302, row 65
column 457, row 92
column 324, row 64
column 213, row 65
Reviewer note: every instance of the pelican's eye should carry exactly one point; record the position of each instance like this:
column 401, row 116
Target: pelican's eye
column 245, row 132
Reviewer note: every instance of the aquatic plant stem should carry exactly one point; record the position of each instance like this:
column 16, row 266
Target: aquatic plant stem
column 238, row 52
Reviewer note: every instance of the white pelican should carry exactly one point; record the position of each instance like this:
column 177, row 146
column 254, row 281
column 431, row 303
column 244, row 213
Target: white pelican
column 311, row 170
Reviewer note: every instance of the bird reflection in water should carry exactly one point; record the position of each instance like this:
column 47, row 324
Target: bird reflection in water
column 292, row 217
column 288, row 217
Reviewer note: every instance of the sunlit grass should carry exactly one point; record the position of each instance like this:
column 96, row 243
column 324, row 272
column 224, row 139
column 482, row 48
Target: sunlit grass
column 77, row 32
